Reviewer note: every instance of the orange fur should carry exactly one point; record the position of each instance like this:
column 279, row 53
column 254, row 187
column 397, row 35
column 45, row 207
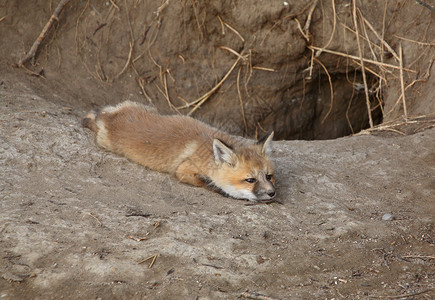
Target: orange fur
column 194, row 152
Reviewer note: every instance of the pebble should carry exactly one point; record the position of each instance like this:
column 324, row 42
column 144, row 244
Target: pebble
column 387, row 217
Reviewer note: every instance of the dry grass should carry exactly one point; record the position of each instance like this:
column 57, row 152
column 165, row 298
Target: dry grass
column 367, row 37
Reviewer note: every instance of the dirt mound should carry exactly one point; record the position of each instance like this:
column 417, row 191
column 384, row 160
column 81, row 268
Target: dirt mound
column 247, row 67
column 355, row 219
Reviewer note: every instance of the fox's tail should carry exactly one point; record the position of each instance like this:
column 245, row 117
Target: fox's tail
column 90, row 120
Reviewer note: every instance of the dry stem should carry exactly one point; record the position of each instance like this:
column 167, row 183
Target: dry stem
column 153, row 257
column 366, row 89
column 55, row 17
column 404, row 296
column 99, row 223
column 256, row 296
column 309, row 17
column 412, row 41
column 379, row 37
column 130, row 53
column 402, row 85
column 359, row 58
column 235, row 31
column 330, row 86
column 334, row 24
column 241, row 102
column 198, row 102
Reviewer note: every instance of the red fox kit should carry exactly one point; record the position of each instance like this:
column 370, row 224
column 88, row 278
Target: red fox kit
column 194, row 152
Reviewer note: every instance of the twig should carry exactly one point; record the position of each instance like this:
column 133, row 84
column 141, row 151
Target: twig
column 213, row 266
column 195, row 12
column 241, row 101
column 213, row 90
column 130, row 53
column 161, row 8
column 235, row 31
column 114, row 4
column 361, row 36
column 334, row 24
column 32, row 52
column 233, row 52
column 366, row 89
column 308, row 22
column 165, row 85
column 358, row 58
column 379, row 37
column 306, row 37
column 404, row 296
column 395, row 123
column 153, row 257
column 330, row 86
column 99, row 223
column 366, row 34
column 419, row 256
column 222, row 24
column 423, row 79
column 76, row 36
column 428, row 6
column 257, row 296
column 263, row 69
column 139, row 81
column 412, row 41
column 198, row 102
column 370, row 71
column 138, row 239
column 402, row 85
column 131, row 43
column 32, row 73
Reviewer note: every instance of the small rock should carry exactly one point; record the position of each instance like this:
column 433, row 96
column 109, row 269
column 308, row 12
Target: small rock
column 387, row 217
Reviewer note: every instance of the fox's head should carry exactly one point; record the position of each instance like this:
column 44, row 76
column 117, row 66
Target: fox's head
column 246, row 172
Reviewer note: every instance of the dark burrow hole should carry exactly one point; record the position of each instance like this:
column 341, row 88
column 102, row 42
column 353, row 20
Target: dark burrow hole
column 308, row 114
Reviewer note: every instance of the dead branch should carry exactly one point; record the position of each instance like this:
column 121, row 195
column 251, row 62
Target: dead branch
column 32, row 52
column 310, row 15
column 424, row 4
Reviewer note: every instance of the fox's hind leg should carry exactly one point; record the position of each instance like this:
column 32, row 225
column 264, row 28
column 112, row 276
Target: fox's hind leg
column 90, row 120
column 94, row 120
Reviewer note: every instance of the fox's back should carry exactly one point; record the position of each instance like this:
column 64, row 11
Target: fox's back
column 161, row 142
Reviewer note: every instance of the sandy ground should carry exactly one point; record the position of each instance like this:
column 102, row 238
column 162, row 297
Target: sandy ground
column 76, row 221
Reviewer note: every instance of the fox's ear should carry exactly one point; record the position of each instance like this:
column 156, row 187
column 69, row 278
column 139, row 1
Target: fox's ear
column 266, row 141
column 222, row 153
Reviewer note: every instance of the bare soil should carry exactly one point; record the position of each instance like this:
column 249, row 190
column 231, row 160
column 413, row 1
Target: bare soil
column 354, row 216
column 72, row 217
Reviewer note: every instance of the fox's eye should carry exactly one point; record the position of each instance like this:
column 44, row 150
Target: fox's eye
column 251, row 180
column 269, row 176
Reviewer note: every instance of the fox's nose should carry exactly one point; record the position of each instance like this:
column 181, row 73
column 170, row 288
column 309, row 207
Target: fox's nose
column 271, row 194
